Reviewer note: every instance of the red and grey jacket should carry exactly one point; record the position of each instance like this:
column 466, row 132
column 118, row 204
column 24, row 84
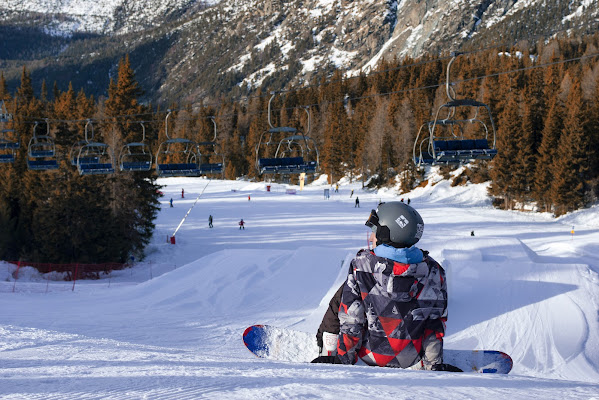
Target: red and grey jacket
column 392, row 314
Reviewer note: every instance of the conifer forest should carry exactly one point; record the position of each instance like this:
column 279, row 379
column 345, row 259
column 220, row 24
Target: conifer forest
column 543, row 97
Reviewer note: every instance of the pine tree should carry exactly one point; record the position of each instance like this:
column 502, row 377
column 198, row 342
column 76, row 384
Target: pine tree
column 543, row 176
column 593, row 129
column 4, row 95
column 572, row 165
column 25, row 91
column 502, row 166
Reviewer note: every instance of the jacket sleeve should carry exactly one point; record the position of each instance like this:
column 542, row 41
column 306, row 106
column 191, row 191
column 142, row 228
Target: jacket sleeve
column 432, row 345
column 352, row 319
column 330, row 321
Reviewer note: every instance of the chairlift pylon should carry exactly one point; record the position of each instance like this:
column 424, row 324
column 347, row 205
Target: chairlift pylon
column 442, row 145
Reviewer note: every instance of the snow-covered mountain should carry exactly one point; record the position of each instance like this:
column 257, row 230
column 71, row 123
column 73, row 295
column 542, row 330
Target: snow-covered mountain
column 65, row 17
column 202, row 47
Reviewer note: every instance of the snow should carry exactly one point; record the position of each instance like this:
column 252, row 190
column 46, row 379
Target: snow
column 585, row 6
column 171, row 327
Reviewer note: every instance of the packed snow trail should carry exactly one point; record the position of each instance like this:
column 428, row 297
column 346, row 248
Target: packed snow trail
column 521, row 285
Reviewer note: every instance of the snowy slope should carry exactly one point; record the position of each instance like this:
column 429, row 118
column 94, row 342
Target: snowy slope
column 97, row 16
column 170, row 328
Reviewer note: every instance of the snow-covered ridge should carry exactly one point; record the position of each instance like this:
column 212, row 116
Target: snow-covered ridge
column 97, row 16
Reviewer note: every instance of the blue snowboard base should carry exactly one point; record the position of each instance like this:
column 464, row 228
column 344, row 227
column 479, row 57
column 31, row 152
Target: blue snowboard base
column 282, row 344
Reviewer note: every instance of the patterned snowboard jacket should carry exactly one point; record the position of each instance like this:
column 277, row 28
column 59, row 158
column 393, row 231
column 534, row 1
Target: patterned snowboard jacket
column 393, row 314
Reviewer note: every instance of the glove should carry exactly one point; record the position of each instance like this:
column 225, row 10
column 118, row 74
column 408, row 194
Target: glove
column 327, row 360
column 445, row 367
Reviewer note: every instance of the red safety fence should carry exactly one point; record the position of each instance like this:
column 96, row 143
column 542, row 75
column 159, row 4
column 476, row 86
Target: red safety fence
column 73, row 271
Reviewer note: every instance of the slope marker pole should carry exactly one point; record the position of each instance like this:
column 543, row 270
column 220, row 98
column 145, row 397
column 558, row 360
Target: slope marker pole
column 188, row 211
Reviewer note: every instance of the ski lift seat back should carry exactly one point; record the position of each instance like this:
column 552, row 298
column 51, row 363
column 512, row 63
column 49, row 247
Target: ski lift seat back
column 42, row 165
column 211, row 168
column 280, row 162
column 7, row 158
column 136, row 165
column 95, row 168
column 9, row 145
column 178, row 169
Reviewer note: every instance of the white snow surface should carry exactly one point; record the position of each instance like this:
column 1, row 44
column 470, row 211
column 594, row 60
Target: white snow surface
column 171, row 327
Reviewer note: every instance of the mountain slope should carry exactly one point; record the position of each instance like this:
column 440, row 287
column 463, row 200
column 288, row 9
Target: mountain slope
column 187, row 50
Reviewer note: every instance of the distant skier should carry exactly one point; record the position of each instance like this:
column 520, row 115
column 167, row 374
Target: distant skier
column 210, row 222
column 182, row 193
column 248, row 197
column 242, row 224
column 357, row 202
column 472, row 233
column 352, row 194
column 408, row 201
column 391, row 310
column 171, row 201
column 337, row 188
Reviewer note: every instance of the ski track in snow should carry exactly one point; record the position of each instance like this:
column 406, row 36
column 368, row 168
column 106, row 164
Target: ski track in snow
column 170, row 328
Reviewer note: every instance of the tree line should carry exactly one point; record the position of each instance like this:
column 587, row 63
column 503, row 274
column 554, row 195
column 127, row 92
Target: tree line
column 544, row 99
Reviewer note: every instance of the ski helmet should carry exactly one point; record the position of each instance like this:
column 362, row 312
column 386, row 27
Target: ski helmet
column 396, row 224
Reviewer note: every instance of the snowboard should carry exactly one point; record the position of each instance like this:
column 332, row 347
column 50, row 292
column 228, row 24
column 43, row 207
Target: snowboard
column 280, row 344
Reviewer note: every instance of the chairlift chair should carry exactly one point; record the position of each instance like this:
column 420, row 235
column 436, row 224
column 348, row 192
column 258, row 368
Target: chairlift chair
column 449, row 145
column 41, row 151
column 212, row 150
column 9, row 139
column 185, row 152
column 281, row 163
column 136, row 156
column 5, row 116
column 94, row 158
column 8, row 146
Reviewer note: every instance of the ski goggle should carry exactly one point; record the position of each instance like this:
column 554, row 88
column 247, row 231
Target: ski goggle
column 373, row 221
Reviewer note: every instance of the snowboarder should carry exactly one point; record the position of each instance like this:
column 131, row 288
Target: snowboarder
column 472, row 233
column 352, row 194
column 171, row 201
column 210, row 222
column 242, row 224
column 357, row 202
column 391, row 310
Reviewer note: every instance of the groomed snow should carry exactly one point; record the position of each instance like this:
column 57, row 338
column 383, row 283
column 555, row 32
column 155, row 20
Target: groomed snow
column 170, row 327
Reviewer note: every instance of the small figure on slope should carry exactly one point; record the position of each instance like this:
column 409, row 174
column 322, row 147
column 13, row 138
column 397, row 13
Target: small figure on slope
column 242, row 224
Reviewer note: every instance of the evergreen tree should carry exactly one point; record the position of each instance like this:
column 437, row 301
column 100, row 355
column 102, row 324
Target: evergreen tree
column 4, row 95
column 571, row 167
column 502, row 166
column 25, row 91
column 543, row 176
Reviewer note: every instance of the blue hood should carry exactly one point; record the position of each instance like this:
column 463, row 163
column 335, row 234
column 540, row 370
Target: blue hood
column 410, row 255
